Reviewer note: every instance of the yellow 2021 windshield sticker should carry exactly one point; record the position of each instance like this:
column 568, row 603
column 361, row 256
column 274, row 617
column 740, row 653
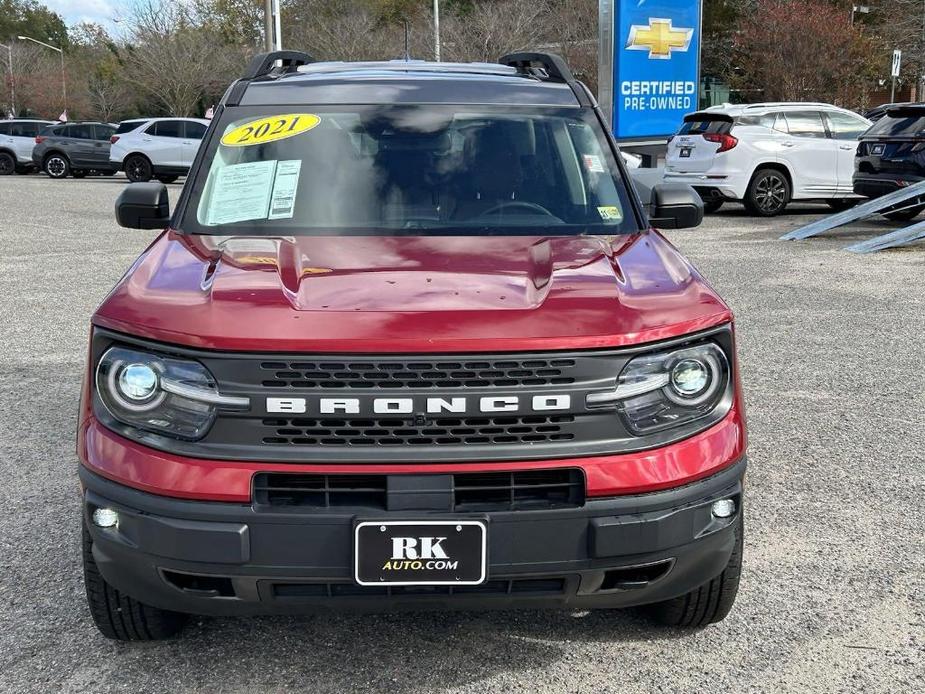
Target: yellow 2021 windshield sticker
column 270, row 129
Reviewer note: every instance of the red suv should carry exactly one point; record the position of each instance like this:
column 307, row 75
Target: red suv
column 408, row 340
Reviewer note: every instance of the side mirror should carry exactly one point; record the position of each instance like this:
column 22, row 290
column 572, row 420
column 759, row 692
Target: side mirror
column 675, row 206
column 143, row 206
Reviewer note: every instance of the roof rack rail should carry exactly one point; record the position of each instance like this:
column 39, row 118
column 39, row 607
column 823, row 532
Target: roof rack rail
column 262, row 63
column 555, row 67
column 547, row 67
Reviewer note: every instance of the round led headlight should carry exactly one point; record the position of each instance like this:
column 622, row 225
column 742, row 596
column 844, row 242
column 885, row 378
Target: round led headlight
column 694, row 379
column 690, row 377
column 137, row 382
column 134, row 385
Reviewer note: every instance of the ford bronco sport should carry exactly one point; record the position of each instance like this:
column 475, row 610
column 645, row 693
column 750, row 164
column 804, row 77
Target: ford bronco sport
column 408, row 340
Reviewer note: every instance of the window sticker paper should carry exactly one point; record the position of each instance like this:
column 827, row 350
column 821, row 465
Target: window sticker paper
column 285, row 186
column 610, row 213
column 241, row 192
column 593, row 163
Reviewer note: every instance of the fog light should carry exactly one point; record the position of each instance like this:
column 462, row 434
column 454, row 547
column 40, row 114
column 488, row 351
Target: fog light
column 105, row 518
column 724, row 508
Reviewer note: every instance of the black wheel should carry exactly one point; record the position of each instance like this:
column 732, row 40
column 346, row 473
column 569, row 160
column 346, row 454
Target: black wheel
column 768, row 193
column 167, row 179
column 56, row 166
column 711, row 206
column 79, row 174
column 118, row 616
column 905, row 215
column 138, row 169
column 709, row 603
column 840, row 204
column 7, row 164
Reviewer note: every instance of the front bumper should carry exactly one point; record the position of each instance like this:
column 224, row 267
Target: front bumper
column 219, row 558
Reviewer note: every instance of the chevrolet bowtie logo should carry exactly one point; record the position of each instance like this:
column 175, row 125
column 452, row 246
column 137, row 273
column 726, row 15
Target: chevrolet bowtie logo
column 659, row 38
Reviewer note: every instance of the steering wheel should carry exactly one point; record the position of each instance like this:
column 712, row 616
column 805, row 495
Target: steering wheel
column 523, row 205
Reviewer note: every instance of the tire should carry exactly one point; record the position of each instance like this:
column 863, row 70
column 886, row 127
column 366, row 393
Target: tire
column 904, row 215
column 118, row 616
column 711, row 602
column 138, row 168
column 7, row 164
column 711, row 206
column 79, row 174
column 56, row 166
column 768, row 193
column 841, row 204
column 167, row 179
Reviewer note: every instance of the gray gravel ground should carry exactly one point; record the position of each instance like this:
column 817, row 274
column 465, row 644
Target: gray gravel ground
column 832, row 593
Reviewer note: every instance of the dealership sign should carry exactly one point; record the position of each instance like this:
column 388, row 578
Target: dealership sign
column 650, row 65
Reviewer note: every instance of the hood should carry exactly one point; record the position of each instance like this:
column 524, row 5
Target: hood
column 410, row 294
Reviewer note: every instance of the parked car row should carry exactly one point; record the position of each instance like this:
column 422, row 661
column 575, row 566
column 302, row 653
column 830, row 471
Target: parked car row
column 144, row 148
column 768, row 155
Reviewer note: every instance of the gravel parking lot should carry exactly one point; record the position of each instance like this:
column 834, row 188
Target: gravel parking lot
column 832, row 595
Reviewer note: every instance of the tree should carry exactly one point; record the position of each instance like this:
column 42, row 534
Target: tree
column 29, row 18
column 233, row 21
column 99, row 87
column 803, row 50
column 901, row 24
column 175, row 61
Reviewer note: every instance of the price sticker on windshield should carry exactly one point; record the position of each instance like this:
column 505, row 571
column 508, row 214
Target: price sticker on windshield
column 270, row 129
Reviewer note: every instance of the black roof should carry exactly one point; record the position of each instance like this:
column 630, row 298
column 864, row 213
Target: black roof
column 414, row 81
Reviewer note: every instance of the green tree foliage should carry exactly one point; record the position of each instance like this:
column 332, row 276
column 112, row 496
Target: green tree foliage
column 29, row 18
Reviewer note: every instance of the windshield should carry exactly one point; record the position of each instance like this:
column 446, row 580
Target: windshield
column 408, row 169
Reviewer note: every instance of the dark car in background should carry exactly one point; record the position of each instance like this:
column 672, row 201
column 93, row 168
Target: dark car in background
column 891, row 156
column 877, row 112
column 74, row 149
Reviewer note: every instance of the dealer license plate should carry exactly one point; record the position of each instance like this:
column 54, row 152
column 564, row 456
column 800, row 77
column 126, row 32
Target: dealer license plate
column 420, row 553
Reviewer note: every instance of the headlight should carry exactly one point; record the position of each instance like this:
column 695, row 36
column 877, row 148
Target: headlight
column 667, row 389
column 160, row 394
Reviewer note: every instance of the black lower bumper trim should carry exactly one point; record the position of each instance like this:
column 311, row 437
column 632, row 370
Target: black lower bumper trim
column 227, row 559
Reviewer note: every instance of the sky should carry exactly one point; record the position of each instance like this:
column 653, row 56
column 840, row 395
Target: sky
column 104, row 12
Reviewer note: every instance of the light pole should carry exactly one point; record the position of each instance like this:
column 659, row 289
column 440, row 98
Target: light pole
column 437, row 30
column 61, row 53
column 272, row 30
column 9, row 52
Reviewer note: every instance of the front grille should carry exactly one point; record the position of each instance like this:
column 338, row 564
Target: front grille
column 503, row 373
column 469, row 492
column 417, row 408
column 524, row 586
column 516, row 491
column 401, row 432
column 320, row 491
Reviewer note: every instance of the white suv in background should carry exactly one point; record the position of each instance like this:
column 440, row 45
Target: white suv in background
column 161, row 148
column 766, row 155
column 17, row 138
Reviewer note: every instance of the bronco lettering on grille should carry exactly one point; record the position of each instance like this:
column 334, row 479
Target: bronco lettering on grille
column 457, row 405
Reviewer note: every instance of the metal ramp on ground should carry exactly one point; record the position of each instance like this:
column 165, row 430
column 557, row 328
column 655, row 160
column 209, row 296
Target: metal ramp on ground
column 899, row 237
column 866, row 209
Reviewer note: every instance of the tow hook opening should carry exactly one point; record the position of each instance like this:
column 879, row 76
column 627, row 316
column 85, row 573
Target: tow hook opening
column 635, row 577
column 200, row 585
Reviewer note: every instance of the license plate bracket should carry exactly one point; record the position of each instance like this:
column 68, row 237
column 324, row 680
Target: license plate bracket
column 420, row 552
